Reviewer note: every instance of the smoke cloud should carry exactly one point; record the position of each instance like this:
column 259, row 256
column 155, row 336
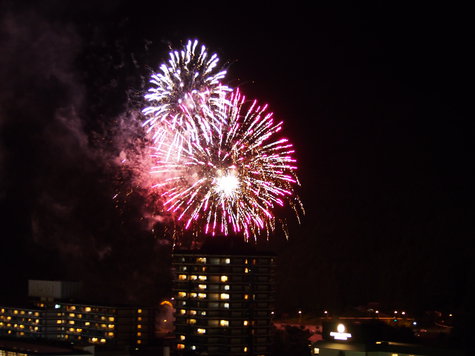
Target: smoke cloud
column 65, row 130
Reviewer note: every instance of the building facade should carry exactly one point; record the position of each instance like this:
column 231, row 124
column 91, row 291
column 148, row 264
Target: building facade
column 116, row 326
column 223, row 302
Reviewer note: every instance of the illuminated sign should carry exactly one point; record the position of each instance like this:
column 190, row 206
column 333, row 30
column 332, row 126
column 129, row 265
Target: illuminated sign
column 340, row 334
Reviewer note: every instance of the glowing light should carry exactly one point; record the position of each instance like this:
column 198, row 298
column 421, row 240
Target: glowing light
column 166, row 302
column 341, row 333
column 227, row 185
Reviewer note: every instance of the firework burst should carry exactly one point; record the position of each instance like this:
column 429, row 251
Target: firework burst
column 231, row 179
column 186, row 99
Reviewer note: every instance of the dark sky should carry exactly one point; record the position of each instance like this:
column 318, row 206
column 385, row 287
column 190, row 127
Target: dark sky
column 375, row 98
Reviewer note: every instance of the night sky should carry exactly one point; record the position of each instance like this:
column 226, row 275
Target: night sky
column 375, row 98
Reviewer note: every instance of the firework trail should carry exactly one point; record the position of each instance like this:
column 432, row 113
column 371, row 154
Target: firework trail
column 186, row 99
column 233, row 181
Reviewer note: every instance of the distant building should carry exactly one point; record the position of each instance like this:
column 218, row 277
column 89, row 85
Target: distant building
column 54, row 319
column 48, row 291
column 224, row 298
column 370, row 338
column 22, row 348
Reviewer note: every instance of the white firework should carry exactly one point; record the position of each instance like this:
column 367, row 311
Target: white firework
column 186, row 98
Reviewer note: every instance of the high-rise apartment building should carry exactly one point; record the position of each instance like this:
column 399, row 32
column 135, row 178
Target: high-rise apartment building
column 224, row 298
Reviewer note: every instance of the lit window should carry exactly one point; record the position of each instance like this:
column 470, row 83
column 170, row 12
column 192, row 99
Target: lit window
column 193, row 347
column 246, row 270
column 87, row 309
column 226, row 287
column 180, row 346
column 182, row 277
column 139, row 318
column 111, row 326
column 202, row 278
column 193, row 295
column 246, row 296
column 110, row 333
column 201, row 260
column 227, row 261
column 71, row 322
column 192, row 312
column 59, row 321
column 245, row 323
column 246, row 261
column 139, row 334
column 245, row 349
column 94, row 339
column 182, row 337
column 71, row 315
column 139, row 311
column 203, row 312
column 202, row 286
column 201, row 295
column 224, row 322
column 224, row 278
column 201, row 331
column 139, row 342
column 139, row 326
column 224, row 296
column 182, row 311
column 226, row 305
column 111, row 318
column 316, row 351
column 181, row 294
column 103, row 341
column 191, row 321
column 193, row 277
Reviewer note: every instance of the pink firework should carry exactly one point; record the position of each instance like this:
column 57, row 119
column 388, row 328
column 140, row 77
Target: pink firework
column 231, row 179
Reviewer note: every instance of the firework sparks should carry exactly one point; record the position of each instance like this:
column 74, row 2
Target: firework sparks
column 231, row 179
column 186, row 99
